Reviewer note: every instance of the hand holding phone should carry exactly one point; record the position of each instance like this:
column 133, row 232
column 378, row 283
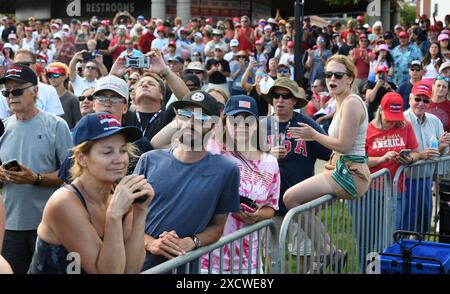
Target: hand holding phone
column 248, row 205
column 12, row 165
column 405, row 152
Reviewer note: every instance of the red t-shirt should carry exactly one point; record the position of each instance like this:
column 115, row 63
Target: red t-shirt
column 361, row 66
column 244, row 44
column 310, row 109
column 146, row 42
column 379, row 142
column 442, row 111
column 118, row 50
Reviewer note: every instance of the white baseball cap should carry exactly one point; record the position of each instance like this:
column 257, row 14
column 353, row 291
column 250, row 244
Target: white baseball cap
column 198, row 35
column 234, row 43
column 268, row 28
column 114, row 84
column 444, row 66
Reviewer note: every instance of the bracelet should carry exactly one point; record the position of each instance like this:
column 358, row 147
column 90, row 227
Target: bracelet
column 165, row 73
column 38, row 180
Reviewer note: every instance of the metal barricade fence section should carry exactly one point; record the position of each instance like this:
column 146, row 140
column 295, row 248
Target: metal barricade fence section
column 416, row 188
column 337, row 236
column 328, row 235
column 249, row 250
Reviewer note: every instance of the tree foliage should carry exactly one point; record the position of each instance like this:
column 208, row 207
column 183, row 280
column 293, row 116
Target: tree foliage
column 342, row 2
column 408, row 14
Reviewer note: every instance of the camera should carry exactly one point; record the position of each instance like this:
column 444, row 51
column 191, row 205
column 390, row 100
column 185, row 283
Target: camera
column 137, row 62
column 87, row 56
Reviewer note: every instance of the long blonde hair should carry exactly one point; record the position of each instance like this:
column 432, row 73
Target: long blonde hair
column 376, row 122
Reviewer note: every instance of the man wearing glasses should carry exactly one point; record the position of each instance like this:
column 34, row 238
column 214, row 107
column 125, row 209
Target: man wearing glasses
column 91, row 72
column 193, row 202
column 416, row 73
column 47, row 98
column 417, row 206
column 296, row 158
column 39, row 142
column 57, row 73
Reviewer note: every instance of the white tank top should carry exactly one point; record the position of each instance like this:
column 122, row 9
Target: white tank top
column 358, row 147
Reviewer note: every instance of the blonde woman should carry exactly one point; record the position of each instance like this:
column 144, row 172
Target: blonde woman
column 96, row 224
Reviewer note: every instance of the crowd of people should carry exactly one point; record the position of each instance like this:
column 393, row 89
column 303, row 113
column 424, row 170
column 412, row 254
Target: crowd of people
column 108, row 161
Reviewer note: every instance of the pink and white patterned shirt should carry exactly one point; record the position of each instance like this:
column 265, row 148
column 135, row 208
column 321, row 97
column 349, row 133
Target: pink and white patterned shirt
column 259, row 181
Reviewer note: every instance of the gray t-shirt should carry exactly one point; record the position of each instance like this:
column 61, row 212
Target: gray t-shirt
column 71, row 108
column 187, row 196
column 41, row 144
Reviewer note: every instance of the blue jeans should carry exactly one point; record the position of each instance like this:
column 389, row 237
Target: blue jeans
column 415, row 214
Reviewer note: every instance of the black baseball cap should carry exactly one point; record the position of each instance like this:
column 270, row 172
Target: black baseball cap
column 19, row 73
column 199, row 99
column 241, row 103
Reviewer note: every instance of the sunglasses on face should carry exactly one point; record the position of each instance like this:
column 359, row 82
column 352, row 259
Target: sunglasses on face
column 195, row 72
column 424, row 100
column 282, row 71
column 337, row 75
column 112, row 100
column 439, row 78
column 285, row 96
column 88, row 97
column 25, row 63
column 53, row 75
column 415, row 69
column 197, row 116
column 15, row 92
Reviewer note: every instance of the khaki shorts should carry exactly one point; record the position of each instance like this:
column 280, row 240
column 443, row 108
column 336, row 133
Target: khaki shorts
column 359, row 171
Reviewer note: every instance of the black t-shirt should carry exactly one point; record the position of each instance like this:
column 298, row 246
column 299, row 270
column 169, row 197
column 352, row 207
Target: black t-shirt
column 299, row 163
column 104, row 45
column 345, row 49
column 157, row 121
column 373, row 106
column 217, row 77
column 263, row 106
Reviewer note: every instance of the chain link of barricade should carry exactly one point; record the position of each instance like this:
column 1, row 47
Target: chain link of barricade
column 328, row 235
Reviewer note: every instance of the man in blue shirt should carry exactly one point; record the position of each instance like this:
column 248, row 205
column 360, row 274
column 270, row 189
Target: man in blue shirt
column 195, row 189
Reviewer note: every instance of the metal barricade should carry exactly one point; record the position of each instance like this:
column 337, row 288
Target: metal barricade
column 413, row 187
column 267, row 258
column 328, row 236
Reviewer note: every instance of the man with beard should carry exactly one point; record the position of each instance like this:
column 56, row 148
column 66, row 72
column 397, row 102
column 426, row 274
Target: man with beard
column 193, row 202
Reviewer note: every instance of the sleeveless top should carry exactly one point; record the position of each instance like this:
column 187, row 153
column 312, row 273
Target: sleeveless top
column 54, row 259
column 358, row 147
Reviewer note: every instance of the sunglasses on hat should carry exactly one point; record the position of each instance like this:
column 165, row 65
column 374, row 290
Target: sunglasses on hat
column 439, row 78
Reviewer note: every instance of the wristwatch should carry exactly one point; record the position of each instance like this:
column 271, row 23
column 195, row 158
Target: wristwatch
column 196, row 241
column 38, row 180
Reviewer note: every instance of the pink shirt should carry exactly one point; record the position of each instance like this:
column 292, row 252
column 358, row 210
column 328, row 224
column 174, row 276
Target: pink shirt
column 259, row 181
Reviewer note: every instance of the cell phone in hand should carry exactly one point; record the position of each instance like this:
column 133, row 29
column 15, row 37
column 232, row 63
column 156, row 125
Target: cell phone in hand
column 405, row 152
column 12, row 165
column 138, row 200
column 248, row 205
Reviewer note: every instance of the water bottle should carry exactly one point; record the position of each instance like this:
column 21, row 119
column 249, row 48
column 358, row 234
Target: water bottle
column 434, row 143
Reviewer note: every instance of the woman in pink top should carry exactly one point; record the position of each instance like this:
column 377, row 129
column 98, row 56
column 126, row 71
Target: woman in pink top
column 259, row 184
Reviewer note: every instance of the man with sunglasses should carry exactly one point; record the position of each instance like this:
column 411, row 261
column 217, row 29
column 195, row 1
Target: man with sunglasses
column 193, row 202
column 296, row 158
column 47, row 98
column 417, row 198
column 91, row 72
column 39, row 142
column 416, row 74
column 57, row 73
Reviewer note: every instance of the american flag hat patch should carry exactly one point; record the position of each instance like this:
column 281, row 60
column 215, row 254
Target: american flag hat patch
column 244, row 104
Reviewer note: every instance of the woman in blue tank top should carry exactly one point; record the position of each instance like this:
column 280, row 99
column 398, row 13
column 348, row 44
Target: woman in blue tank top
column 96, row 224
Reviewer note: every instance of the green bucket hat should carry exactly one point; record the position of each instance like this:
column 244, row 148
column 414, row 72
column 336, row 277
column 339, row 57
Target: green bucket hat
column 290, row 85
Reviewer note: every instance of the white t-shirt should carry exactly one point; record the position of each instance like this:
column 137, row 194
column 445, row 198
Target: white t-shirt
column 48, row 100
column 80, row 84
column 29, row 44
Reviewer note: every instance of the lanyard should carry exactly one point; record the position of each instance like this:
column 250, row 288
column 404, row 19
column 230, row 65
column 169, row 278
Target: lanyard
column 138, row 117
column 283, row 134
